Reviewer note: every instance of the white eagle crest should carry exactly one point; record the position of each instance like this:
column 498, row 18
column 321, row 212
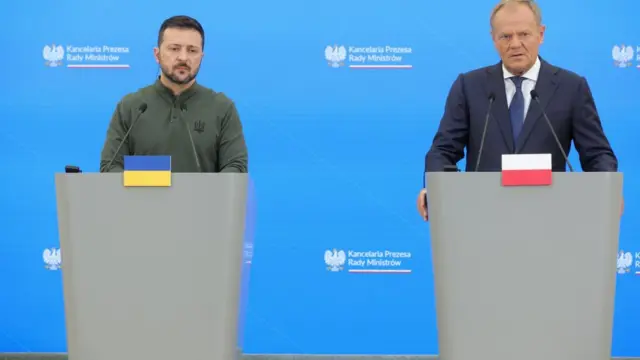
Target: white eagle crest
column 622, row 55
column 334, row 259
column 52, row 258
column 624, row 262
column 53, row 55
column 335, row 55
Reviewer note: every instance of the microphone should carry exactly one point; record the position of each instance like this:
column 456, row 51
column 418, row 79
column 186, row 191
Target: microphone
column 492, row 97
column 141, row 109
column 534, row 96
column 183, row 108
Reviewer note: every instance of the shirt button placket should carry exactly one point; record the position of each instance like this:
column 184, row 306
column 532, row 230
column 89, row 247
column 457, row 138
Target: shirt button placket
column 174, row 114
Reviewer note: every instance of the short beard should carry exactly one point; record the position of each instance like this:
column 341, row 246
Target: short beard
column 175, row 79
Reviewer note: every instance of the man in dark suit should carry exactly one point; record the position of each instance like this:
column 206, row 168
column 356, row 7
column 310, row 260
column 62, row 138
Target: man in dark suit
column 516, row 124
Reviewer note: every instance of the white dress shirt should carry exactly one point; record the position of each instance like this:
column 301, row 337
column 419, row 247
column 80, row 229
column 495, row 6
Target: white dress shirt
column 528, row 84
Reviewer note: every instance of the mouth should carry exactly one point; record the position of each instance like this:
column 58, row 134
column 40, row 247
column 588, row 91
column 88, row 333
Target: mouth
column 516, row 56
column 182, row 68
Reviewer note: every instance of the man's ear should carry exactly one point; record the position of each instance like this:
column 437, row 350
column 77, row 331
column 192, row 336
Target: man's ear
column 541, row 30
column 156, row 54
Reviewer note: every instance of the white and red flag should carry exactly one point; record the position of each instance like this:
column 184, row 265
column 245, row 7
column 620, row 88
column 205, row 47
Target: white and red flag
column 526, row 170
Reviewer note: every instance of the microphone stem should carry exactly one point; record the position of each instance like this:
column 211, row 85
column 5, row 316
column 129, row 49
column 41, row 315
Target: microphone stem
column 484, row 132
column 555, row 136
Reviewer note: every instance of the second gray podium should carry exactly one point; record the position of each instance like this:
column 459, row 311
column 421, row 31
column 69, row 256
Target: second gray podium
column 524, row 273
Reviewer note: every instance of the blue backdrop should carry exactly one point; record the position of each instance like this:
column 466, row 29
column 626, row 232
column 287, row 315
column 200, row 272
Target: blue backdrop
column 336, row 151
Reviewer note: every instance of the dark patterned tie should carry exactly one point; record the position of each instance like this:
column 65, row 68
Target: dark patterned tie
column 516, row 109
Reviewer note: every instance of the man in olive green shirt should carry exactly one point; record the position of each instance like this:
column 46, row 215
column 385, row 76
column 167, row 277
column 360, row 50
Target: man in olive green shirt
column 199, row 128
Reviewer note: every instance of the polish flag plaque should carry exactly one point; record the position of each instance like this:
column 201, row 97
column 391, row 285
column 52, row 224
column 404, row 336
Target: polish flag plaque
column 526, row 170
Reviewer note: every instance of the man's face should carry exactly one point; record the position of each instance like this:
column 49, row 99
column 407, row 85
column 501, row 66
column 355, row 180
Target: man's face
column 180, row 55
column 517, row 37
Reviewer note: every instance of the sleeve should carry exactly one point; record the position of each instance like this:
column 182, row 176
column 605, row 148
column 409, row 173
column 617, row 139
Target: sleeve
column 589, row 139
column 453, row 132
column 232, row 151
column 115, row 133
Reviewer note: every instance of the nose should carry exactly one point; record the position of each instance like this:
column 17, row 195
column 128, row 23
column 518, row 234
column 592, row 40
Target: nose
column 182, row 54
column 515, row 43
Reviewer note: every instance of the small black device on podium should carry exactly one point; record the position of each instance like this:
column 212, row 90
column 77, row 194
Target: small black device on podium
column 72, row 169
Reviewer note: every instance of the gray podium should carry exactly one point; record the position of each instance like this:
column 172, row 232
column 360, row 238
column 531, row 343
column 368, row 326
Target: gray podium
column 524, row 273
column 151, row 273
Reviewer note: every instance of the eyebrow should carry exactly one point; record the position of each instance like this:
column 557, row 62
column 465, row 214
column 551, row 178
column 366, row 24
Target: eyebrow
column 176, row 44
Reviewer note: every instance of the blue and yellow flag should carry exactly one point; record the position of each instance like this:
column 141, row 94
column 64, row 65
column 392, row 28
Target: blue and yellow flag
column 147, row 170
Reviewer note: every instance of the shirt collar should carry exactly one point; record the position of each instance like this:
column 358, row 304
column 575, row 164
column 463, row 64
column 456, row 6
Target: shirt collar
column 168, row 94
column 532, row 74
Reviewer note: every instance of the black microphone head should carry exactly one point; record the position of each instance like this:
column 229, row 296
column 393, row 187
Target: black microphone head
column 183, row 107
column 143, row 107
column 492, row 96
column 534, row 94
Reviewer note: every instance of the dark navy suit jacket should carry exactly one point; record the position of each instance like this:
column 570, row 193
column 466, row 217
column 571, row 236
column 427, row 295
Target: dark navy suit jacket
column 567, row 100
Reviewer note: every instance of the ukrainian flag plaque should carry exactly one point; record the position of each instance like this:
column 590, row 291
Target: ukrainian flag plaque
column 147, row 171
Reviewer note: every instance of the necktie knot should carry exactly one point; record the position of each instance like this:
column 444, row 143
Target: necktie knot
column 517, row 81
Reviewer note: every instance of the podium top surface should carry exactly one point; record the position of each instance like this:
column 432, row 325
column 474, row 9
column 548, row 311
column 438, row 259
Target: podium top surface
column 118, row 175
column 559, row 180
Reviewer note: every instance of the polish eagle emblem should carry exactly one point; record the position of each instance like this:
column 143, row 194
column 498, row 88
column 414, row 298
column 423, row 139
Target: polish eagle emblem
column 335, row 55
column 624, row 262
column 622, row 56
column 52, row 259
column 335, row 259
column 53, row 55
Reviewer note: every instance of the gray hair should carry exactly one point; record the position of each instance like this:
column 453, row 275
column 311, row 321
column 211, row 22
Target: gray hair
column 530, row 3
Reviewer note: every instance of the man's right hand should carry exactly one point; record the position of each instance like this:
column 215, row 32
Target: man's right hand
column 422, row 204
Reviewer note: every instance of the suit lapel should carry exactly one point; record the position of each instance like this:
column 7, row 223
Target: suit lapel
column 500, row 110
column 546, row 87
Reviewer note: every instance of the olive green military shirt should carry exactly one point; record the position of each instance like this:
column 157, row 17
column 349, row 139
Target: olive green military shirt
column 172, row 125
